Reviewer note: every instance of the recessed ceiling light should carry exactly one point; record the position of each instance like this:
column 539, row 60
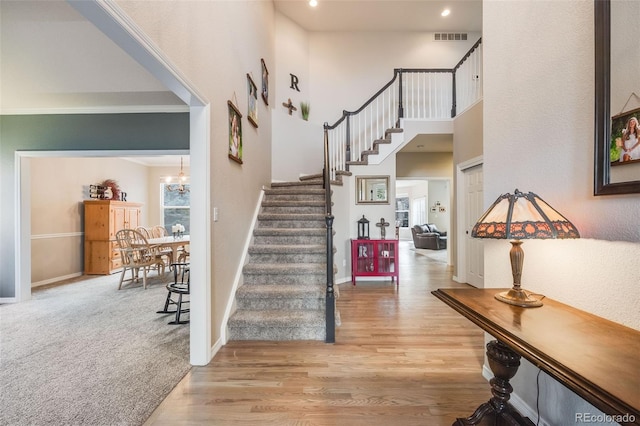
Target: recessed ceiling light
column 445, row 12
column 313, row 3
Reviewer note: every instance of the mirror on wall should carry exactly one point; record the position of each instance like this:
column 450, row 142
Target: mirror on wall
column 617, row 100
column 372, row 189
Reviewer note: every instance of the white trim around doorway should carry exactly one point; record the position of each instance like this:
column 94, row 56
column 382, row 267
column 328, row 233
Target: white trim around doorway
column 461, row 258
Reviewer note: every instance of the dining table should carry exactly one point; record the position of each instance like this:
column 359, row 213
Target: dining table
column 169, row 241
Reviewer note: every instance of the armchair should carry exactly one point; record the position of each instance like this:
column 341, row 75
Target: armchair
column 429, row 237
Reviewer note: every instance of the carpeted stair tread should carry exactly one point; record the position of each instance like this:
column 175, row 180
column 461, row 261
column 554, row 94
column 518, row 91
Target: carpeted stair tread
column 286, row 249
column 293, row 203
column 281, row 291
column 290, row 231
column 295, row 191
column 278, row 318
column 280, row 269
column 315, row 177
column 291, row 216
column 301, row 183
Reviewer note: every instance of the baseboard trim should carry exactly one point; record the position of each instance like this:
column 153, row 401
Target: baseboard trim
column 56, row 279
column 58, row 235
column 343, row 280
column 217, row 345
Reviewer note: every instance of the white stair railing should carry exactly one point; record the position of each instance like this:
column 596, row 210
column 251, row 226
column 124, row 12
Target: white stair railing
column 412, row 93
column 468, row 76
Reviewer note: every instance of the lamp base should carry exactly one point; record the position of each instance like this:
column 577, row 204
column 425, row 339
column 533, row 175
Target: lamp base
column 518, row 297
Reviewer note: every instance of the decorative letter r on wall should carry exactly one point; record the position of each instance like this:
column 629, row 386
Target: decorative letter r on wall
column 294, row 82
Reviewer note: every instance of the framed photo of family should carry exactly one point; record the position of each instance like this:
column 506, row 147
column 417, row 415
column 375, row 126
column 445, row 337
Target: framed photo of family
column 235, row 133
column 252, row 90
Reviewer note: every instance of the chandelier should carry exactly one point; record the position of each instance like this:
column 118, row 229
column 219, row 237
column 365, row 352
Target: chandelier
column 180, row 187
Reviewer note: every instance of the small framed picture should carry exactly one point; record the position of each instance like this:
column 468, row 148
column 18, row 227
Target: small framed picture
column 625, row 139
column 252, row 91
column 235, row 133
column 265, row 82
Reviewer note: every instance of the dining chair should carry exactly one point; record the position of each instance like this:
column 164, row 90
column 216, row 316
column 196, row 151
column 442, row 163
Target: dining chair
column 147, row 232
column 182, row 252
column 180, row 287
column 137, row 254
column 160, row 231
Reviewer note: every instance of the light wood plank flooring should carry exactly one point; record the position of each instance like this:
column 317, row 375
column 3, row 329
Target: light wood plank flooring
column 401, row 357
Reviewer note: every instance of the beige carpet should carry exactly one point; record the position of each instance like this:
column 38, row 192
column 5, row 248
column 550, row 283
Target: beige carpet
column 87, row 354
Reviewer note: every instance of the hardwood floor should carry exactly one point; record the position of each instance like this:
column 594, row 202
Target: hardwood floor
column 401, row 357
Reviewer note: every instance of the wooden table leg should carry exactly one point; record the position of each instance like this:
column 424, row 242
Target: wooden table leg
column 497, row 411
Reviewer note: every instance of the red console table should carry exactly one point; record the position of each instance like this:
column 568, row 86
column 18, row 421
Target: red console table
column 374, row 258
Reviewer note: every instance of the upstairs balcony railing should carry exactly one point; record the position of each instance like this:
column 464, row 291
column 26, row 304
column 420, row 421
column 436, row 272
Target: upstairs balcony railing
column 411, row 93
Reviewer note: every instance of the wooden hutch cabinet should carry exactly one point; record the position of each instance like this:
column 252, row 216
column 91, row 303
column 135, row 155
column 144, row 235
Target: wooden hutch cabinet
column 102, row 219
column 374, row 258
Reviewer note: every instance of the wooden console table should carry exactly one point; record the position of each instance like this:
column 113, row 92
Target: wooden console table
column 596, row 358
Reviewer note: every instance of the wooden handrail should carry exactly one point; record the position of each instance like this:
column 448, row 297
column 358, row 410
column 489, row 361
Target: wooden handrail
column 346, row 113
column 466, row 56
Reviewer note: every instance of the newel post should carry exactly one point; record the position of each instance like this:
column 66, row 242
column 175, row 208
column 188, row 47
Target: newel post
column 330, row 300
column 400, row 102
column 347, row 140
column 454, row 101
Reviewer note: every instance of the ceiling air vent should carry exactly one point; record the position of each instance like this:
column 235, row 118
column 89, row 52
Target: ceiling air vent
column 450, row 36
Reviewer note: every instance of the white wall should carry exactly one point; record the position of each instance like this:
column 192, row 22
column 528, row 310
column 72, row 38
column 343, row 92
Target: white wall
column 297, row 144
column 538, row 136
column 215, row 44
column 298, row 147
column 348, row 68
column 439, row 192
column 292, row 57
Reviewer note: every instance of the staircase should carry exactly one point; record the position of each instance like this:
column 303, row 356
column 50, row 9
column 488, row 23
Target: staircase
column 282, row 296
column 363, row 160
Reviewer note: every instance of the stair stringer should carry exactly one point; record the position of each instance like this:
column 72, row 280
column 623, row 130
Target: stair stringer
column 237, row 280
column 411, row 129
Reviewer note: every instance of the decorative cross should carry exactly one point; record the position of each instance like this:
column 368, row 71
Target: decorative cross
column 383, row 225
column 290, row 106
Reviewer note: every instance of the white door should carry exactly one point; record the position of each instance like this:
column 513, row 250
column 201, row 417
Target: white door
column 474, row 208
